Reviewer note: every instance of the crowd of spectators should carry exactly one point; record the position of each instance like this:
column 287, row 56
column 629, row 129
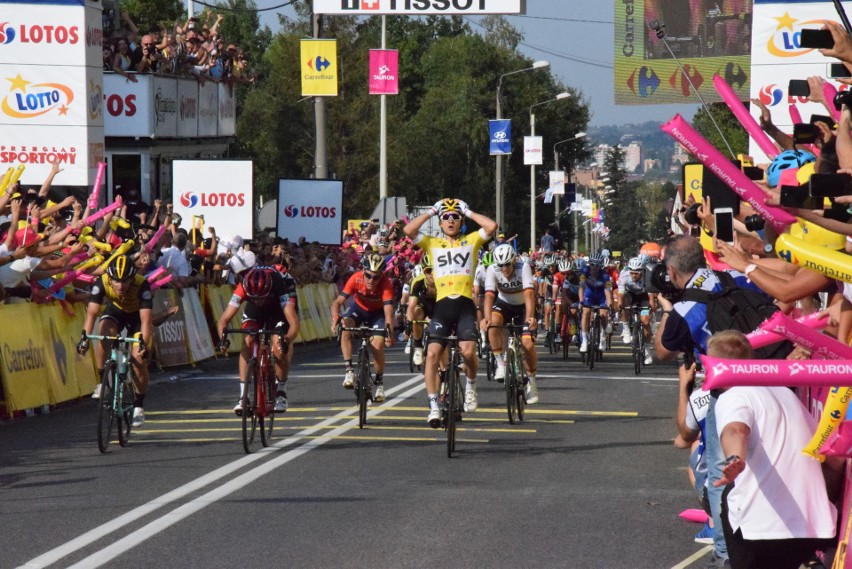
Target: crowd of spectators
column 193, row 49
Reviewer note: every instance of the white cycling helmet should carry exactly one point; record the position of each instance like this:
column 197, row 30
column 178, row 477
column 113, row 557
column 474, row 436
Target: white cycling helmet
column 564, row 265
column 504, row 255
column 416, row 271
column 635, row 264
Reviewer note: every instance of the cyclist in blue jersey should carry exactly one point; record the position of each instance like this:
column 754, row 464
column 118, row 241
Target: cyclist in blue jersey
column 595, row 290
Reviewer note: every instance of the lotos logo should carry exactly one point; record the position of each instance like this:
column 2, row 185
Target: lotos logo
column 319, row 63
column 291, row 210
column 188, row 199
column 28, row 100
column 770, row 95
column 786, row 41
column 7, row 34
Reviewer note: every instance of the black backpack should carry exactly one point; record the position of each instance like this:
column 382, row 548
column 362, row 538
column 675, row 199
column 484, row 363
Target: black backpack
column 736, row 308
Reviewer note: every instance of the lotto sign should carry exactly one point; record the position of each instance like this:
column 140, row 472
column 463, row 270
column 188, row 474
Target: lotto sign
column 396, row 7
column 312, row 209
column 219, row 190
column 533, row 155
column 319, row 68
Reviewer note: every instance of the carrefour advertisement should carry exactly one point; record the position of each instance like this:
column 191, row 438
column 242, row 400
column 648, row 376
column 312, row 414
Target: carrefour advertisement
column 778, row 57
column 706, row 36
column 312, row 209
column 219, row 191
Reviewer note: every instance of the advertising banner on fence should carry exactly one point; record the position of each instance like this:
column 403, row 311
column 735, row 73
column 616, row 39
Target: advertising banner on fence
column 384, row 72
column 707, row 37
column 319, row 68
column 312, row 209
column 500, row 135
column 397, row 7
column 219, row 190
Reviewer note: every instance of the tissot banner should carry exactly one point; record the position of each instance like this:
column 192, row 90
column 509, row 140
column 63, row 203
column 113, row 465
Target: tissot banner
column 319, row 68
column 396, row 7
column 384, row 72
column 500, row 135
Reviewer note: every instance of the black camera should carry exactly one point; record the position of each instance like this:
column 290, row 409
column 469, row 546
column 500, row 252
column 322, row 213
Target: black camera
column 754, row 223
column 841, row 99
column 690, row 216
column 660, row 280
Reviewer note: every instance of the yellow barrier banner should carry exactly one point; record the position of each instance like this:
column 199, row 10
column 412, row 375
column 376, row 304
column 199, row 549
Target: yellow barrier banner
column 200, row 342
column 25, row 354
column 170, row 336
column 69, row 376
column 219, row 297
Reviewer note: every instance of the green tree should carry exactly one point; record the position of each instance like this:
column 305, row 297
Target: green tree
column 734, row 132
column 150, row 15
column 625, row 216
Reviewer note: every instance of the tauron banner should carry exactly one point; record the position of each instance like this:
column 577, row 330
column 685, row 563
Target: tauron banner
column 319, row 68
column 312, row 209
column 500, row 135
column 706, row 37
column 384, row 72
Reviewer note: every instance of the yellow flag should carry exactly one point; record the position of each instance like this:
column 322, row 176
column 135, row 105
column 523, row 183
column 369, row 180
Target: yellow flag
column 319, row 68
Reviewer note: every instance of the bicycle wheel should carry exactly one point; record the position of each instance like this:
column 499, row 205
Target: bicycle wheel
column 490, row 363
column 636, row 345
column 520, row 396
column 511, row 384
column 249, row 415
column 267, row 419
column 125, row 410
column 594, row 338
column 411, row 365
column 106, row 410
column 363, row 386
column 453, row 403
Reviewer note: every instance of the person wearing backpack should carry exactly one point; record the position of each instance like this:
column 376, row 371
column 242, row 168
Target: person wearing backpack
column 684, row 327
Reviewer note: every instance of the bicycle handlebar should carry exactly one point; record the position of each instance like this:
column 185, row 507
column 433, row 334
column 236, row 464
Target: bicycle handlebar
column 127, row 339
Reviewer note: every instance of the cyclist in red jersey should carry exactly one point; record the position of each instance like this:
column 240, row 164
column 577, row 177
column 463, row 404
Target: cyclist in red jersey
column 272, row 304
column 373, row 300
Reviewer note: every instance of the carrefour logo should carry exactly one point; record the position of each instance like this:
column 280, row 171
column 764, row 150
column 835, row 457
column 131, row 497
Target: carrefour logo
column 787, row 39
column 770, row 95
column 319, row 63
column 7, row 33
column 188, row 199
column 28, row 100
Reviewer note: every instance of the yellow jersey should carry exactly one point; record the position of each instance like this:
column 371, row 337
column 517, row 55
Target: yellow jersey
column 453, row 264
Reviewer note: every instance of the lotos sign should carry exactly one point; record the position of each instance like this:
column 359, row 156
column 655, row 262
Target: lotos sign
column 312, row 209
column 218, row 190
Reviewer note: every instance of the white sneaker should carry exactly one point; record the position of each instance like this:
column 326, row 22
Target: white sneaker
column 238, row 408
column 97, row 393
column 531, row 391
column 418, row 356
column 349, row 379
column 408, row 347
column 138, row 417
column 608, row 328
column 649, row 358
column 380, row 394
column 584, row 345
column 281, row 403
column 627, row 336
column 602, row 344
column 500, row 372
column 470, row 400
column 434, row 418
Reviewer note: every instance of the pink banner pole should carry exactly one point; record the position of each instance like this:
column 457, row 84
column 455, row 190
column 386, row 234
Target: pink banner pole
column 69, row 276
column 760, row 338
column 149, row 246
column 155, row 274
column 162, row 282
column 102, row 212
column 88, row 279
column 707, row 154
column 733, row 101
column 99, row 178
column 829, row 91
column 800, row 334
column 722, row 372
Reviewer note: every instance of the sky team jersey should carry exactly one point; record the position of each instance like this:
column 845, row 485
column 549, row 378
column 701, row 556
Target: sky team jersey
column 369, row 300
column 138, row 296
column 511, row 289
column 453, row 265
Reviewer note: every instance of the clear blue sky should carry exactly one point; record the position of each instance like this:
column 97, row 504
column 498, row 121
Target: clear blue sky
column 576, row 37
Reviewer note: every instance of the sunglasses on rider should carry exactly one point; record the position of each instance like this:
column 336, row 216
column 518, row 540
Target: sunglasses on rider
column 450, row 217
column 504, row 265
column 370, row 276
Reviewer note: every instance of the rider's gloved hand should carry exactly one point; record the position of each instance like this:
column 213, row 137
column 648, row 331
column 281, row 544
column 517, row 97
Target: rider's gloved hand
column 436, row 209
column 83, row 345
column 143, row 347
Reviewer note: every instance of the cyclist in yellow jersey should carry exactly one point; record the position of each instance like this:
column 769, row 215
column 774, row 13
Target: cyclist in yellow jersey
column 454, row 257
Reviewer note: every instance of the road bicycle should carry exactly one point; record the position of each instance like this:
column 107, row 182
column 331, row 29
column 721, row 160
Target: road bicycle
column 363, row 376
column 258, row 399
column 451, row 393
column 570, row 328
column 516, row 377
column 637, row 344
column 550, row 332
column 490, row 360
column 115, row 406
column 594, row 352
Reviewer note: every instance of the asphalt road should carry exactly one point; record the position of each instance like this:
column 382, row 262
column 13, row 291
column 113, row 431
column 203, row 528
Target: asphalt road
column 590, row 479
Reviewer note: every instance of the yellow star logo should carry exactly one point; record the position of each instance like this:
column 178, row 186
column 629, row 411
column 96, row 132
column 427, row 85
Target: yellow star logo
column 18, row 82
column 786, row 21
column 63, row 110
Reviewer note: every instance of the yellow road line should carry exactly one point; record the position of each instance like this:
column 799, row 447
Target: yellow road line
column 527, row 410
column 342, row 437
column 329, row 427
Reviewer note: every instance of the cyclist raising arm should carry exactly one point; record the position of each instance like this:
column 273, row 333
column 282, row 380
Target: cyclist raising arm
column 373, row 307
column 271, row 292
column 129, row 301
column 454, row 259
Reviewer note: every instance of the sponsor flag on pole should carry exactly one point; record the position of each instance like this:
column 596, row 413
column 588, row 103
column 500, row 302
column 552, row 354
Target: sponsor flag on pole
column 319, row 68
column 557, row 182
column 384, row 72
column 500, row 135
column 533, row 155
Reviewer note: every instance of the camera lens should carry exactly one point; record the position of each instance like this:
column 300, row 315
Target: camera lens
column 755, row 223
column 691, row 215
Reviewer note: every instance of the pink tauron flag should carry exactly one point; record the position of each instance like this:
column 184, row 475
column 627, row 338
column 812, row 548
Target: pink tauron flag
column 384, row 72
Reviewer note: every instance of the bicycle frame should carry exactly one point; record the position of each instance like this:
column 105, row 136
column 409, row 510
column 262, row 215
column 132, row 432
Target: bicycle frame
column 516, row 373
column 451, row 393
column 117, row 393
column 364, row 378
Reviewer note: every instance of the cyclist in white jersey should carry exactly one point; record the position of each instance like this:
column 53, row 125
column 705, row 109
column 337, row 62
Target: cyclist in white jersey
column 510, row 297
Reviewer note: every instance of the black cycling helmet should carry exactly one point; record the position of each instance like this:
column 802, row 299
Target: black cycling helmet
column 121, row 269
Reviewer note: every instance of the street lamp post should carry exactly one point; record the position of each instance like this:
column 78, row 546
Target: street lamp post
column 556, row 209
column 499, row 172
column 560, row 96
